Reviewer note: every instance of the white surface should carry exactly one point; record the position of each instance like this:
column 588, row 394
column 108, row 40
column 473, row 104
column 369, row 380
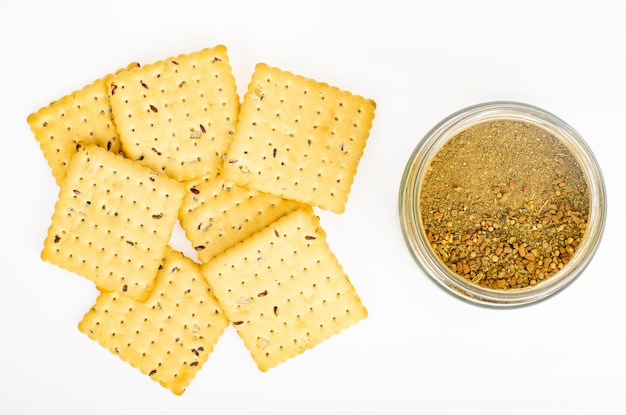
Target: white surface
column 420, row 350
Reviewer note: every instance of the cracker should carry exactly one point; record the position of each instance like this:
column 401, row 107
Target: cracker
column 82, row 116
column 177, row 116
column 217, row 214
column 170, row 336
column 299, row 139
column 283, row 289
column 112, row 221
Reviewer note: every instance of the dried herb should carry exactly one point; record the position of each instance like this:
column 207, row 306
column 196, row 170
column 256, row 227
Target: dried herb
column 504, row 204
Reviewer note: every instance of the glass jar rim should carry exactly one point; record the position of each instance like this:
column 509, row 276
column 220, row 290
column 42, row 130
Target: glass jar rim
column 415, row 236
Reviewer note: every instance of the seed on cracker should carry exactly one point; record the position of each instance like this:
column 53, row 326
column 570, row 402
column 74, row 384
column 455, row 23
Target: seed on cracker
column 283, row 289
column 170, row 336
column 112, row 221
column 217, row 214
column 299, row 139
column 177, row 116
column 83, row 116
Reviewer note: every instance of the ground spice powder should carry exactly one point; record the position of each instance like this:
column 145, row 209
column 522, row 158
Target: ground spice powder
column 504, row 204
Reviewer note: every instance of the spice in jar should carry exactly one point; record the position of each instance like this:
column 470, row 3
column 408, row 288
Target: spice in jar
column 504, row 204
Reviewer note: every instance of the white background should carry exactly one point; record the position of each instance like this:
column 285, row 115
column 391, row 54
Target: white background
column 420, row 350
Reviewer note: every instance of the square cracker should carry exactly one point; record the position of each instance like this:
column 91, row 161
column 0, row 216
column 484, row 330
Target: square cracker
column 177, row 116
column 112, row 221
column 170, row 336
column 283, row 289
column 217, row 214
column 82, row 116
column 299, row 138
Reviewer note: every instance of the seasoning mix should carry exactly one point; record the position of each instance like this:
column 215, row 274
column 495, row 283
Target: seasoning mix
column 502, row 204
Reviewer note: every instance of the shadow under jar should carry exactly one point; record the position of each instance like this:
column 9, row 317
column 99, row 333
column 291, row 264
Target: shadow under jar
column 502, row 204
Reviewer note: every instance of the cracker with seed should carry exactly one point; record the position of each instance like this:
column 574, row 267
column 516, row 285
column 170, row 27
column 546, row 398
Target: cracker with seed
column 217, row 214
column 170, row 336
column 177, row 116
column 283, row 289
column 299, row 138
column 82, row 116
column 112, row 221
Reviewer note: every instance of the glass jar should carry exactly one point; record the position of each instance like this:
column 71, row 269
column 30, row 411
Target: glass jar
column 411, row 220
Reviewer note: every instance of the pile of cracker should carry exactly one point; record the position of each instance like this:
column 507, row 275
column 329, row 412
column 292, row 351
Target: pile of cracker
column 151, row 145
